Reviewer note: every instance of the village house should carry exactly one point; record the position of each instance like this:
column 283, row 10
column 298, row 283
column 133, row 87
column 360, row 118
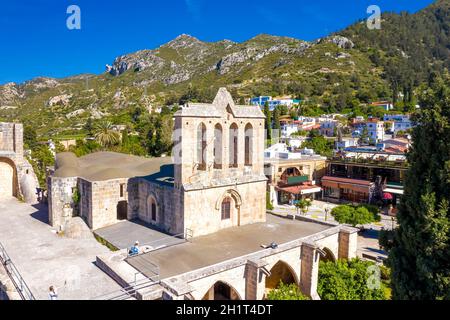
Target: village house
column 293, row 176
column 352, row 174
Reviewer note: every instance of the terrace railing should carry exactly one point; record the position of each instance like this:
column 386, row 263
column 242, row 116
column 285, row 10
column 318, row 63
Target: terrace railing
column 375, row 162
column 14, row 274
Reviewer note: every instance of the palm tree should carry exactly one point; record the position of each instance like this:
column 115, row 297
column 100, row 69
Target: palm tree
column 105, row 135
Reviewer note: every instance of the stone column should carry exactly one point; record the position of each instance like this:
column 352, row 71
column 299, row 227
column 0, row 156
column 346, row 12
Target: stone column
column 255, row 280
column 348, row 239
column 309, row 272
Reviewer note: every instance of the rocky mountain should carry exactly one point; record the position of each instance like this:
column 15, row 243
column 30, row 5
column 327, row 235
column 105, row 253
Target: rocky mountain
column 338, row 72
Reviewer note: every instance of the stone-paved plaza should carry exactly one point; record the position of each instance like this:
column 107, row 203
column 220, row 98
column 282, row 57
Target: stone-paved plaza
column 44, row 258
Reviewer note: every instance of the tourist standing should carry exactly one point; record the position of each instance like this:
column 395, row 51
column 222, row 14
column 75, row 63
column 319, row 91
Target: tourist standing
column 52, row 294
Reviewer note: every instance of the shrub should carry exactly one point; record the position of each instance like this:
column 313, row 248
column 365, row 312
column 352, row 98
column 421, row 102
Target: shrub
column 286, row 292
column 349, row 280
column 355, row 215
column 269, row 205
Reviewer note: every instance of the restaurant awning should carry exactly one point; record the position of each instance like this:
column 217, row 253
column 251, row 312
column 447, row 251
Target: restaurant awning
column 346, row 183
column 300, row 189
column 394, row 191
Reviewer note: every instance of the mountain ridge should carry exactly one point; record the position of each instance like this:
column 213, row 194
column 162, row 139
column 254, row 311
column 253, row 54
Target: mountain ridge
column 355, row 65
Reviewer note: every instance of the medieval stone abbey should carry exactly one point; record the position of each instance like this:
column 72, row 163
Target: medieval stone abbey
column 212, row 191
column 215, row 180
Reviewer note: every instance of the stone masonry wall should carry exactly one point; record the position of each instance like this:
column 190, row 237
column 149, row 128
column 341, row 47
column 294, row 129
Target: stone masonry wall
column 202, row 208
column 169, row 203
column 60, row 200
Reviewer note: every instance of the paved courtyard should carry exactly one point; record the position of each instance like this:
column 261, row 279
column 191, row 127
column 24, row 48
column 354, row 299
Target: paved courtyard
column 125, row 233
column 44, row 258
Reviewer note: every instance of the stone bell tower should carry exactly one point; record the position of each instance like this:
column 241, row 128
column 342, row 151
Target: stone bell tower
column 219, row 154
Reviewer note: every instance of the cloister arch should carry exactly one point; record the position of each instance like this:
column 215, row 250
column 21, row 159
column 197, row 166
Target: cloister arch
column 329, row 255
column 9, row 184
column 281, row 271
column 222, row 291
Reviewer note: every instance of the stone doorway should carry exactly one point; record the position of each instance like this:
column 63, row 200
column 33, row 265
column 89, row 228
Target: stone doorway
column 122, row 210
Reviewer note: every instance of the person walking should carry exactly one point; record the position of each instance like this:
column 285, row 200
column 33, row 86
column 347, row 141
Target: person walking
column 52, row 293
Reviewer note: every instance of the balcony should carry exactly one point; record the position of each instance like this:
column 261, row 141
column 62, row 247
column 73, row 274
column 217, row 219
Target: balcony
column 378, row 162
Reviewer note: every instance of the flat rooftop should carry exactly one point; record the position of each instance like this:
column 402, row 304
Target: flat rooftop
column 223, row 245
column 101, row 166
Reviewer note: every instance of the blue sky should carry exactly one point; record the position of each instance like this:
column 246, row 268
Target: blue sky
column 36, row 42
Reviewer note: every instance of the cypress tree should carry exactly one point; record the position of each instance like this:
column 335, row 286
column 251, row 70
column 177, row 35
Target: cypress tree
column 419, row 249
column 276, row 121
column 268, row 125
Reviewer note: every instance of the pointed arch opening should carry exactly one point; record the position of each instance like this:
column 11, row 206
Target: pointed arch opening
column 329, row 255
column 218, row 146
column 233, row 149
column 221, row 291
column 201, row 146
column 280, row 272
column 248, row 145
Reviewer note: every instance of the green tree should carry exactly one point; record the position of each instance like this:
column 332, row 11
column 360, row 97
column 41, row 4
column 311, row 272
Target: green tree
column 349, row 280
column 89, row 127
column 286, row 292
column 364, row 136
column 303, row 205
column 320, row 145
column 419, row 249
column 268, row 125
column 29, row 137
column 105, row 135
column 276, row 121
column 354, row 215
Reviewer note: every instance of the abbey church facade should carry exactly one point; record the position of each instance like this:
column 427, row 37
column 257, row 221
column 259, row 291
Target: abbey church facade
column 214, row 180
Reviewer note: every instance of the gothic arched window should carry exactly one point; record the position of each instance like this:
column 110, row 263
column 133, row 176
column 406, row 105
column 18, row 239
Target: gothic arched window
column 226, row 208
column 218, row 146
column 233, row 150
column 248, row 144
column 201, row 146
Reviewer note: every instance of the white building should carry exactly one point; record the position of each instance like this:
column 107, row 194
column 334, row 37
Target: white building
column 400, row 122
column 375, row 130
column 288, row 129
column 328, row 127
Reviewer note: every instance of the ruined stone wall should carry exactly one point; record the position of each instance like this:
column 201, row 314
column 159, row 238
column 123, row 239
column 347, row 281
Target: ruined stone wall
column 60, row 200
column 17, row 173
column 169, row 203
column 105, row 198
column 202, row 208
column 11, row 139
